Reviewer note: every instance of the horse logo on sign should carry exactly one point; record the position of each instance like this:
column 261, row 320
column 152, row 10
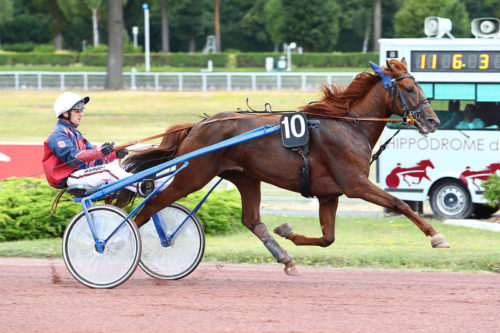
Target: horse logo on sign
column 473, row 176
column 418, row 171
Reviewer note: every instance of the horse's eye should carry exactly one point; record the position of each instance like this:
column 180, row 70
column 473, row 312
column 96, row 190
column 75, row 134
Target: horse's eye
column 410, row 89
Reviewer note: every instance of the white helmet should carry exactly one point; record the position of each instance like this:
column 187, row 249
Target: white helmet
column 66, row 101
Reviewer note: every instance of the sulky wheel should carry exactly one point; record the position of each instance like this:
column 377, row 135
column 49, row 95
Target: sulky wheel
column 185, row 250
column 119, row 256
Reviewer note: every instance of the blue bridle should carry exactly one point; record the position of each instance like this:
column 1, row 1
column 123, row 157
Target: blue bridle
column 408, row 114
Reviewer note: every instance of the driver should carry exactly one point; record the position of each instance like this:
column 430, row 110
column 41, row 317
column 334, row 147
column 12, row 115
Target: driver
column 70, row 159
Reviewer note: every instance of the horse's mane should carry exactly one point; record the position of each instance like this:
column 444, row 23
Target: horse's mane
column 336, row 98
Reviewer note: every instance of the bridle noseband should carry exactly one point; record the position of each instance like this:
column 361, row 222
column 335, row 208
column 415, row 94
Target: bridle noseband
column 408, row 114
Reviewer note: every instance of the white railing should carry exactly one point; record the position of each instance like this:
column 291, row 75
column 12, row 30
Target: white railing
column 215, row 81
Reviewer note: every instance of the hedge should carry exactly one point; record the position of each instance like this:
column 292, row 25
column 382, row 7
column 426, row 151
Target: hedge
column 33, row 58
column 318, row 60
column 492, row 190
column 96, row 57
column 25, row 205
column 159, row 59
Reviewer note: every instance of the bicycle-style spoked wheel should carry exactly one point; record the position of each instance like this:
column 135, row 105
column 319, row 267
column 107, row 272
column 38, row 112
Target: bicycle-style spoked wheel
column 185, row 251
column 121, row 253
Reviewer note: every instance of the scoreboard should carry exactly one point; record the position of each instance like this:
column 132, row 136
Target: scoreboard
column 434, row 60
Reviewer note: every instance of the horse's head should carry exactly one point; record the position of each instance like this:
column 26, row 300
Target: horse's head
column 426, row 163
column 406, row 97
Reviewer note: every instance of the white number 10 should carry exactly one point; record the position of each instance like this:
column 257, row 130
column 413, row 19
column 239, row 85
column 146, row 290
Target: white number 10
column 292, row 126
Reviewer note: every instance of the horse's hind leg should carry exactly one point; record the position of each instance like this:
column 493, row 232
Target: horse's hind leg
column 249, row 189
column 327, row 211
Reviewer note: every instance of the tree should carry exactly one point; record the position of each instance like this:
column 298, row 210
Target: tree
column 165, row 40
column 217, row 26
column 274, row 22
column 5, row 10
column 59, row 22
column 93, row 6
column 314, row 24
column 249, row 33
column 114, row 77
column 192, row 19
column 377, row 23
column 409, row 20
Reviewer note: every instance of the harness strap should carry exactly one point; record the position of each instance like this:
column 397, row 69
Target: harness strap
column 384, row 145
column 356, row 121
column 305, row 173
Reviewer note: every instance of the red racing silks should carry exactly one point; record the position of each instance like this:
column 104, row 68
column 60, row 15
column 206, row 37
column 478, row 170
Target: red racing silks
column 89, row 155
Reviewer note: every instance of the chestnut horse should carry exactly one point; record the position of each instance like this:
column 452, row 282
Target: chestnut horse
column 339, row 157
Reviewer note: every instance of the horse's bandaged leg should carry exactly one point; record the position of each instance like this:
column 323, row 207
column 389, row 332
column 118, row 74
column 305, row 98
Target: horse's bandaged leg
column 270, row 243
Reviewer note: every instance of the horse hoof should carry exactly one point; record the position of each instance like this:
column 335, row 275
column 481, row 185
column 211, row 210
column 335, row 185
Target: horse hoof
column 291, row 269
column 283, row 230
column 438, row 241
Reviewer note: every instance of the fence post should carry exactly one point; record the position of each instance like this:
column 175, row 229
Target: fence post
column 228, row 81
column 329, row 79
column 203, row 82
column 62, row 81
column 39, row 77
column 181, row 88
column 16, row 81
column 254, row 82
column 85, row 81
column 157, row 82
column 278, row 82
column 303, row 86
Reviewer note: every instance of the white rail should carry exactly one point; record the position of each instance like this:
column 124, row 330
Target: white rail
column 215, row 81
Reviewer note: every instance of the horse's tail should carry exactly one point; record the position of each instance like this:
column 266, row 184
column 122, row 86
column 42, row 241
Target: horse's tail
column 166, row 151
column 148, row 158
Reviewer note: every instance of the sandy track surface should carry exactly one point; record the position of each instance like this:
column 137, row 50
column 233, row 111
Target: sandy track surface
column 40, row 295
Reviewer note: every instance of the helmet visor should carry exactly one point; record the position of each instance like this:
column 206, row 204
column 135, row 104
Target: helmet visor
column 79, row 106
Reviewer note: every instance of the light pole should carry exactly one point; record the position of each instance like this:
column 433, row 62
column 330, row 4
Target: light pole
column 289, row 55
column 146, row 35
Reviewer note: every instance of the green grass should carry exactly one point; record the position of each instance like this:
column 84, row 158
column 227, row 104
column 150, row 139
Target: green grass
column 122, row 116
column 380, row 243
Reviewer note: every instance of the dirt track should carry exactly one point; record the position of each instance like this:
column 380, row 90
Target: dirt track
column 40, row 295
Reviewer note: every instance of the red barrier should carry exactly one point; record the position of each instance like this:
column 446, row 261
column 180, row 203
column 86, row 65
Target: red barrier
column 20, row 159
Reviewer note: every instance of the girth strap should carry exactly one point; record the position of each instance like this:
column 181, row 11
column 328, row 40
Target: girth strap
column 305, row 173
column 305, row 170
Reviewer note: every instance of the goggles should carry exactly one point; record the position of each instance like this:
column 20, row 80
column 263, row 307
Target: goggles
column 79, row 106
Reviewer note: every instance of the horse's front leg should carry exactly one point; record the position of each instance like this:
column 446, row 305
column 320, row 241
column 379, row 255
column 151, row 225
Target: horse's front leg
column 249, row 189
column 327, row 212
column 370, row 192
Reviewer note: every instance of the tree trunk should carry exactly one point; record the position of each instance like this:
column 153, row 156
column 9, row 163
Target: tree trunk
column 58, row 41
column 192, row 44
column 165, row 46
column 366, row 38
column 217, row 26
column 114, row 77
column 95, row 30
column 377, row 24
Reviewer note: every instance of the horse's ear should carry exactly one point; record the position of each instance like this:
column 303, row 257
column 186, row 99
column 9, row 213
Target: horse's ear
column 403, row 61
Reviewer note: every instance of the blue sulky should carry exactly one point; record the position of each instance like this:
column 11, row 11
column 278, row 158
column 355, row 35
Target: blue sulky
column 160, row 172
